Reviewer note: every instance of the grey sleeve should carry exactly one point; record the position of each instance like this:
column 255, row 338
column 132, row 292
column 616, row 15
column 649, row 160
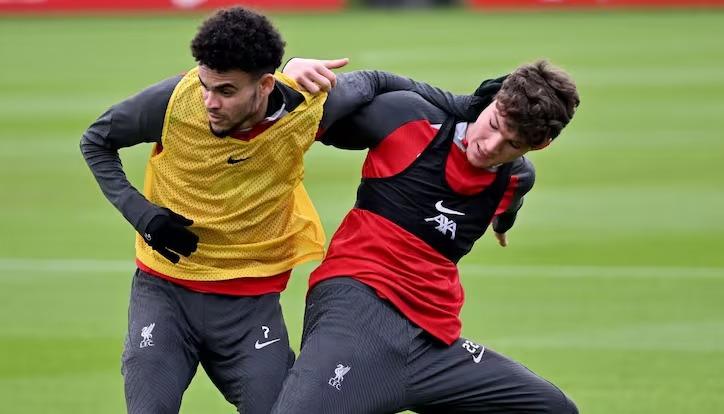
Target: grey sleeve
column 373, row 123
column 133, row 121
column 522, row 180
column 356, row 89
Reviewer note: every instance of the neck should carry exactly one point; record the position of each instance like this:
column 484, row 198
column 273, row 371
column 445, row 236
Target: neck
column 463, row 138
column 256, row 117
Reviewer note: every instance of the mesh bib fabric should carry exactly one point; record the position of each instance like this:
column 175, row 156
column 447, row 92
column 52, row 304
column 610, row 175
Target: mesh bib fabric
column 253, row 217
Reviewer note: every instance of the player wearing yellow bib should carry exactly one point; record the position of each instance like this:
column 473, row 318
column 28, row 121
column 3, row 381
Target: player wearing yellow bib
column 224, row 216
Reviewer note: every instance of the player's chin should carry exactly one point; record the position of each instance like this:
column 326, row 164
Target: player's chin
column 478, row 162
column 219, row 130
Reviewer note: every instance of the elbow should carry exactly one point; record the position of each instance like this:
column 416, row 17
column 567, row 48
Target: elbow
column 86, row 147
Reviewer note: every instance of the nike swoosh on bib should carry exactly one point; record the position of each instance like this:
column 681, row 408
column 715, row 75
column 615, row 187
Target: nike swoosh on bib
column 233, row 160
column 442, row 209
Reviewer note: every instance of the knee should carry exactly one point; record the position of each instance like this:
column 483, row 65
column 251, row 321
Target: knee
column 557, row 403
column 146, row 395
column 134, row 360
column 299, row 395
column 156, row 370
column 151, row 404
column 572, row 408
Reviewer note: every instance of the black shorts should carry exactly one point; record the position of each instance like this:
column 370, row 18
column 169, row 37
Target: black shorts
column 241, row 342
column 360, row 355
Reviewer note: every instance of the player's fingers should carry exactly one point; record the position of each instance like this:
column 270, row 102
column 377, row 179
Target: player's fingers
column 184, row 242
column 307, row 84
column 323, row 78
column 180, row 219
column 335, row 63
column 168, row 254
column 502, row 239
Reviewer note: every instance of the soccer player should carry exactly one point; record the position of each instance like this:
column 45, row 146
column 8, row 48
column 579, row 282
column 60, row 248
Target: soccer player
column 381, row 326
column 224, row 216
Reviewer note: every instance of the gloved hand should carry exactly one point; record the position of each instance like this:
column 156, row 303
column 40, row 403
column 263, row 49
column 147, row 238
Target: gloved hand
column 167, row 234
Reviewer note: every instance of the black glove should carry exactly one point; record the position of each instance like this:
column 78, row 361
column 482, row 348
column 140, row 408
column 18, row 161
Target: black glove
column 167, row 233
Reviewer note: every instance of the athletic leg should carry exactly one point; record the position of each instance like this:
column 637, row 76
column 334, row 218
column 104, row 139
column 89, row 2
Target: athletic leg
column 353, row 354
column 466, row 377
column 247, row 353
column 161, row 354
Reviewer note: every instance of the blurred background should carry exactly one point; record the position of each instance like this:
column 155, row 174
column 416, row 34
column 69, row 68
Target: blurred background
column 612, row 286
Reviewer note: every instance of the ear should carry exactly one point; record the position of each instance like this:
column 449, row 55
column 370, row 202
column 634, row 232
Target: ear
column 543, row 145
column 266, row 83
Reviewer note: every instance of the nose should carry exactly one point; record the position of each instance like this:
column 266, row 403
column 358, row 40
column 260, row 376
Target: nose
column 211, row 101
column 494, row 144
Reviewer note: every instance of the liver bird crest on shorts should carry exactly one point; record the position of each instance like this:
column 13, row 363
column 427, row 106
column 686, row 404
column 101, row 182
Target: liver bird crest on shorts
column 146, row 334
column 339, row 372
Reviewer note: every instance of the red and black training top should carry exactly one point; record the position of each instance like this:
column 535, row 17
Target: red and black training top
column 420, row 208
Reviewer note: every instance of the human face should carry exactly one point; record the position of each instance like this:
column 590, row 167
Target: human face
column 234, row 99
column 491, row 143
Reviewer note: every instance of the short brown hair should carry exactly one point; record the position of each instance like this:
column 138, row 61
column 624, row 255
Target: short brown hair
column 537, row 100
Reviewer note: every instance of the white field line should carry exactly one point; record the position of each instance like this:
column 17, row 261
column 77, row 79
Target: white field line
column 479, row 270
column 690, row 336
column 466, row 270
column 65, row 265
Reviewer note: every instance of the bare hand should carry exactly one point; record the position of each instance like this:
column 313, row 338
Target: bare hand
column 502, row 239
column 314, row 75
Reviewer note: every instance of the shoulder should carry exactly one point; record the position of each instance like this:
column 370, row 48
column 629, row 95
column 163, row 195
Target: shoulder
column 524, row 171
column 405, row 105
column 164, row 87
column 140, row 118
column 154, row 96
column 388, row 112
column 290, row 95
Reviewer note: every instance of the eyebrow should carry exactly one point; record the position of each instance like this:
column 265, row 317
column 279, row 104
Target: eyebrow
column 217, row 87
column 515, row 139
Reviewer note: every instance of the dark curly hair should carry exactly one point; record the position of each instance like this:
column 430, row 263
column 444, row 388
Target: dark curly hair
column 538, row 101
column 238, row 38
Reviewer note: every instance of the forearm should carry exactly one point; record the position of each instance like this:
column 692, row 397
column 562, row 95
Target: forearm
column 521, row 182
column 356, row 89
column 504, row 222
column 456, row 105
column 360, row 87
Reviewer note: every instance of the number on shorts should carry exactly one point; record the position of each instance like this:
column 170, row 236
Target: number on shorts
column 471, row 347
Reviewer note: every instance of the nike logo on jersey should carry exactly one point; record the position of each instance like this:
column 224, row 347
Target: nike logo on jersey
column 233, row 160
column 260, row 345
column 440, row 208
column 477, row 358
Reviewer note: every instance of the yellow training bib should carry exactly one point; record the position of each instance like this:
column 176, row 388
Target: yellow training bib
column 254, row 217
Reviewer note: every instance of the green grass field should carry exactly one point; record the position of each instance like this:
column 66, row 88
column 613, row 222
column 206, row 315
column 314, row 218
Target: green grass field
column 613, row 283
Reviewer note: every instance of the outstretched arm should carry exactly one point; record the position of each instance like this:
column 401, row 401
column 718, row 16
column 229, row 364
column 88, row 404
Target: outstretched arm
column 355, row 89
column 350, row 91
